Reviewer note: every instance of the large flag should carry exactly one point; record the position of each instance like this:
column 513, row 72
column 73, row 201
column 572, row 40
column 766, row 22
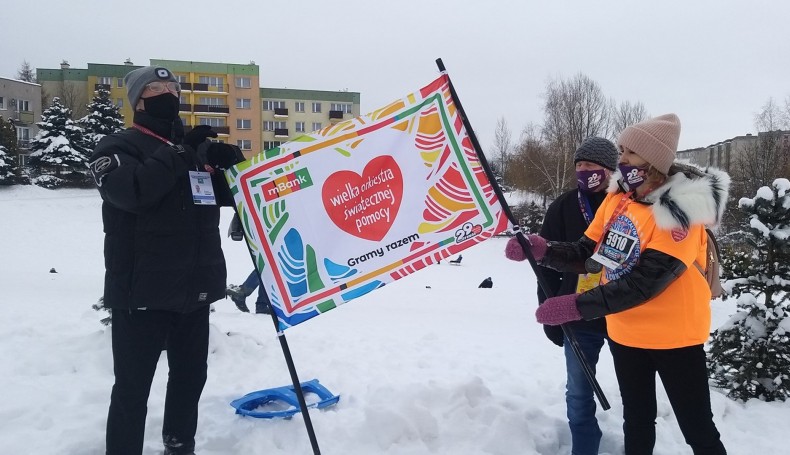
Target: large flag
column 335, row 214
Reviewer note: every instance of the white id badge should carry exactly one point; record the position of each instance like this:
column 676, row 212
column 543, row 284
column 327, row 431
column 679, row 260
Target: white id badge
column 202, row 190
column 615, row 248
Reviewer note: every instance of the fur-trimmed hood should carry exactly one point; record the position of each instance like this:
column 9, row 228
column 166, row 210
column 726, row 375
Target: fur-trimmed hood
column 691, row 195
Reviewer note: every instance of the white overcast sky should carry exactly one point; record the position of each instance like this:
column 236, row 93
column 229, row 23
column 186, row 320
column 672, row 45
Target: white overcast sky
column 714, row 63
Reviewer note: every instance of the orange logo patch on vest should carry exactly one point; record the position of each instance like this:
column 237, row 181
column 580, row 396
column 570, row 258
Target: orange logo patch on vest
column 679, row 234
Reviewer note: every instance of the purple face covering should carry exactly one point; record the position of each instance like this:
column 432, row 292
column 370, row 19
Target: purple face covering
column 633, row 176
column 590, row 181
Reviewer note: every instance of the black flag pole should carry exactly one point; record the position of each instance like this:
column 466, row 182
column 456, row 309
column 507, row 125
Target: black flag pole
column 286, row 353
column 522, row 240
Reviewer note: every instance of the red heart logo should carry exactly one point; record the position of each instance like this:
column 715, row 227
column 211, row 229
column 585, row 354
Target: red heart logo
column 365, row 205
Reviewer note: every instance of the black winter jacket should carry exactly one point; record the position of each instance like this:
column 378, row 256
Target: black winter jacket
column 161, row 251
column 564, row 222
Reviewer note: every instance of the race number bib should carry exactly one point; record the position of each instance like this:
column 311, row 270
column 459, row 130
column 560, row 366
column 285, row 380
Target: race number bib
column 615, row 248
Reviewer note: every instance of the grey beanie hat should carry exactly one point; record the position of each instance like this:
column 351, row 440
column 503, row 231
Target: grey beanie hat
column 599, row 151
column 136, row 80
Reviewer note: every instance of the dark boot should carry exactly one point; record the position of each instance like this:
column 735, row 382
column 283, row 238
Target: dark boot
column 238, row 294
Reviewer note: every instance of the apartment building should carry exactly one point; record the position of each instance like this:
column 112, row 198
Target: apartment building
column 20, row 101
column 226, row 96
column 67, row 83
column 723, row 154
column 289, row 113
column 222, row 95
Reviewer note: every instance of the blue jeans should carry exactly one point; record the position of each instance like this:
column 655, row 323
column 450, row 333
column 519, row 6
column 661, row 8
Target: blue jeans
column 579, row 397
column 251, row 283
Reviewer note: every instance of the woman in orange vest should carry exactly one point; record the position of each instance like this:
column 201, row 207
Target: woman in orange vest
column 646, row 237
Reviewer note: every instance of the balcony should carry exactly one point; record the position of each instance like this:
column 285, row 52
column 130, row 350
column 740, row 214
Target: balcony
column 335, row 116
column 97, row 87
column 25, row 117
column 185, row 107
column 280, row 112
column 218, row 129
column 212, row 109
column 188, row 87
column 281, row 132
column 23, row 144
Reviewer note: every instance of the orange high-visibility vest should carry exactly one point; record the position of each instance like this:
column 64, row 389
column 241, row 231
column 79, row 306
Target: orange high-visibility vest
column 680, row 315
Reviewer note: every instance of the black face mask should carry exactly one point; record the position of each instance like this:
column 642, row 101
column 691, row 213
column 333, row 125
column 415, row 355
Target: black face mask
column 164, row 106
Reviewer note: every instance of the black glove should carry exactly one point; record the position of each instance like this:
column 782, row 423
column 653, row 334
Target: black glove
column 198, row 135
column 219, row 155
column 554, row 333
column 236, row 231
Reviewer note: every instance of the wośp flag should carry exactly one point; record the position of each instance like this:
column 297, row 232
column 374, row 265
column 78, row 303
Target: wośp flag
column 335, row 214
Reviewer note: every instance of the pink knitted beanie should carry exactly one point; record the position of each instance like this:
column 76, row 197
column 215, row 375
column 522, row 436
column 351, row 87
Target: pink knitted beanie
column 655, row 140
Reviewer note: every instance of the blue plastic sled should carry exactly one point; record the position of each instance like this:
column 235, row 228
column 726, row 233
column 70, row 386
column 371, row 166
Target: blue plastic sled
column 276, row 397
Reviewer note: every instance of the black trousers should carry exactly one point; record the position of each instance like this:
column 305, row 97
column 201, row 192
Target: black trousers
column 684, row 374
column 138, row 337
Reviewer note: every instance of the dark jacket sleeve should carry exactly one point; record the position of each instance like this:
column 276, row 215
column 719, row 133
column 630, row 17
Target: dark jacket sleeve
column 131, row 182
column 649, row 277
column 551, row 229
column 568, row 256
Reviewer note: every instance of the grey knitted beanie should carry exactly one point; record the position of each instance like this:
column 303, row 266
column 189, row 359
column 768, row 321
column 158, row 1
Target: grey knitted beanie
column 599, row 151
column 136, row 80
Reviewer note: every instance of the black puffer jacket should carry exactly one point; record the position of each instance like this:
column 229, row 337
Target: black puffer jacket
column 161, row 250
column 564, row 222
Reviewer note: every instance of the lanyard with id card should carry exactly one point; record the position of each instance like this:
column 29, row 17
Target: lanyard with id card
column 202, row 189
column 200, row 182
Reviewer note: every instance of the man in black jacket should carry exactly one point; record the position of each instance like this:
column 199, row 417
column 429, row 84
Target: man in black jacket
column 566, row 220
column 164, row 264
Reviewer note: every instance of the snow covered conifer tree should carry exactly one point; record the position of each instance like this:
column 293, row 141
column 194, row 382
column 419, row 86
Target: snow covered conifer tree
column 58, row 147
column 8, row 151
column 103, row 118
column 749, row 356
column 6, row 167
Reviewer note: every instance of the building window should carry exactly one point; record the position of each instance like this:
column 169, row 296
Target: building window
column 185, row 121
column 23, row 106
column 2, row 103
column 181, row 78
column 269, row 125
column 213, row 81
column 316, row 107
column 342, row 107
column 271, row 144
column 119, row 82
column 244, row 144
column 119, row 103
column 243, row 124
column 316, row 126
column 183, row 99
column 299, row 127
column 269, row 105
column 105, row 80
column 243, row 82
column 299, row 106
column 243, row 103
column 209, row 101
column 211, row 121
column 23, row 136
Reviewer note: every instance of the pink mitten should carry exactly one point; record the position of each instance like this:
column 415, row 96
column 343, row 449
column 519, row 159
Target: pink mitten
column 558, row 310
column 514, row 252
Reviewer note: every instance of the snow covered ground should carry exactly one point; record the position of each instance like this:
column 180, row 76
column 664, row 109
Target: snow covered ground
column 427, row 365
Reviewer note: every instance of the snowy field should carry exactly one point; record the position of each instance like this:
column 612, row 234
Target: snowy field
column 427, row 365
